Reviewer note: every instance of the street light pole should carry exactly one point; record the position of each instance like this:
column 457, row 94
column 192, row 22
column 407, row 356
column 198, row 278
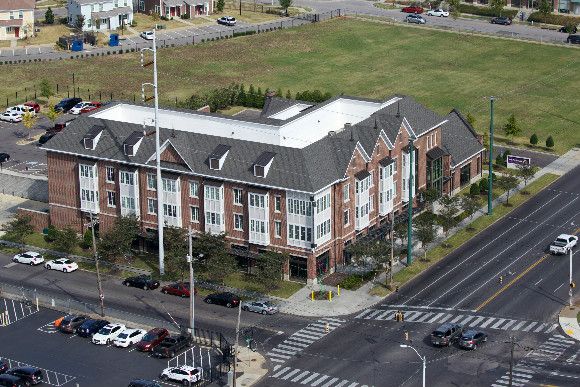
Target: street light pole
column 423, row 359
column 410, row 222
column 92, row 224
column 512, row 361
column 74, row 90
column 490, row 177
column 571, row 281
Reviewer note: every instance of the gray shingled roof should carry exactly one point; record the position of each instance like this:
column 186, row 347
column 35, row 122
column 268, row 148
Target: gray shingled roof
column 459, row 138
column 419, row 116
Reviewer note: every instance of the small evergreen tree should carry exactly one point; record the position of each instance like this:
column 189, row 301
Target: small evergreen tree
column 534, row 139
column 474, row 190
column 288, row 94
column 51, row 234
column 251, row 96
column 511, row 128
column 483, row 184
column 66, row 240
column 49, row 16
column 260, row 98
column 242, row 96
column 220, row 5
column 499, row 160
column 470, row 119
column 550, row 142
column 87, row 239
column 45, row 89
column 19, row 228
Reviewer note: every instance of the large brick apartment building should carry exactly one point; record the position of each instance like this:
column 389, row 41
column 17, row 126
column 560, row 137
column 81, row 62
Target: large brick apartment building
column 303, row 178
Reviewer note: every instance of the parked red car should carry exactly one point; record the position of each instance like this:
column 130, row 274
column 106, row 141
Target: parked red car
column 91, row 106
column 33, row 105
column 412, row 9
column 179, row 289
column 152, row 339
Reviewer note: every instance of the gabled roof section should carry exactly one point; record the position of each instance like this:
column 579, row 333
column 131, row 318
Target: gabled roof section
column 459, row 139
column 420, row 118
column 360, row 175
column 13, row 5
column 435, row 153
column 385, row 161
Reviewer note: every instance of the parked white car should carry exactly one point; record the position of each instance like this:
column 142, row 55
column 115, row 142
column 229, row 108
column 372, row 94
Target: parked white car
column 129, row 337
column 63, row 264
column 107, row 334
column 78, row 107
column 186, row 375
column 147, row 35
column 29, row 258
column 11, row 117
column 438, row 12
column 20, row 109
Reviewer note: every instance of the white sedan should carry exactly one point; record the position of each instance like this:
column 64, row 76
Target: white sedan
column 107, row 334
column 438, row 12
column 78, row 107
column 63, row 264
column 147, row 35
column 30, row 258
column 11, row 117
column 129, row 337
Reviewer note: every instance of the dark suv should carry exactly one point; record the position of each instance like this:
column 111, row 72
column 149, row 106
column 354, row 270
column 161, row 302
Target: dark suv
column 574, row 39
column 29, row 375
column 228, row 299
column 90, row 327
column 66, row 104
column 446, row 334
column 11, row 381
column 70, row 323
column 144, row 282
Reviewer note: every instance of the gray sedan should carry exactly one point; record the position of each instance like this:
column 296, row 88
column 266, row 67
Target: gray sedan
column 470, row 339
column 264, row 307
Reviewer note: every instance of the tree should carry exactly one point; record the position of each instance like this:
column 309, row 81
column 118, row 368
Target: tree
column 526, row 172
column 97, row 19
column 507, row 183
column 474, row 189
column 534, row 139
column 87, row 239
column 430, row 196
column 52, row 114
column 497, row 6
column 251, row 96
column 545, row 8
column 117, row 241
column 470, row 119
column 402, row 233
column 288, row 94
column 373, row 251
column 454, row 8
column 570, row 26
column 19, row 228
column 269, row 271
column 217, row 261
column 80, row 22
column 286, row 4
column 220, row 5
column 66, row 240
column 470, row 205
column 447, row 212
column 499, row 160
column 176, row 249
column 512, row 128
column 45, row 88
column 49, row 16
column 550, row 142
column 29, row 120
column 51, row 234
column 424, row 230
column 483, row 185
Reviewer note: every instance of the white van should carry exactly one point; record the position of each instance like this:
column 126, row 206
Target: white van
column 21, row 109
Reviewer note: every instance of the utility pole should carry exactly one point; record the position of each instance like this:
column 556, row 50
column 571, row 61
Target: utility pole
column 490, row 177
column 157, row 155
column 74, row 90
column 512, row 361
column 571, row 281
column 237, row 335
column 392, row 247
column 410, row 222
column 92, row 224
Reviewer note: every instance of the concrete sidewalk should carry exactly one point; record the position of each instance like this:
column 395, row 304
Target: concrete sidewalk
column 568, row 319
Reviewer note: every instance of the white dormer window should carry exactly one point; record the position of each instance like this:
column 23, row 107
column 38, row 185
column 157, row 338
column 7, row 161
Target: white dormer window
column 131, row 144
column 218, row 157
column 91, row 138
column 262, row 164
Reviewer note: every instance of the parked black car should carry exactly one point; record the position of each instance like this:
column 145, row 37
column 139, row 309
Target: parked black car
column 172, row 344
column 501, row 20
column 228, row 299
column 70, row 323
column 144, row 282
column 90, row 327
column 11, row 381
column 29, row 375
column 45, row 137
column 3, row 367
column 66, row 104
column 565, row 29
column 4, row 157
column 471, row 338
column 574, row 39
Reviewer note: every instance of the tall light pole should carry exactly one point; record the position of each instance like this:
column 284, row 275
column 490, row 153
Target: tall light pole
column 423, row 359
column 92, row 224
column 490, row 177
column 571, row 281
column 410, row 222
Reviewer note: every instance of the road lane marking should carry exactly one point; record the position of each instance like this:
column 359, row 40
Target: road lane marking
column 557, row 288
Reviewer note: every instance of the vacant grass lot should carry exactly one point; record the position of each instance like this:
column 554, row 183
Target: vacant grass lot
column 442, row 70
column 146, row 22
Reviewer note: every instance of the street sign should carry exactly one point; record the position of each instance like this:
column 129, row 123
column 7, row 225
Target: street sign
column 513, row 161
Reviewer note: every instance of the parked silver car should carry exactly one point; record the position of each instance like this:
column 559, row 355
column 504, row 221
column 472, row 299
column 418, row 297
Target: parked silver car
column 264, row 307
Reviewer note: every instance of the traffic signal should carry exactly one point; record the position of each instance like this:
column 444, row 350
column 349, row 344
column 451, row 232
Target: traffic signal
column 326, row 328
column 500, row 279
column 572, row 284
column 396, row 288
column 406, row 336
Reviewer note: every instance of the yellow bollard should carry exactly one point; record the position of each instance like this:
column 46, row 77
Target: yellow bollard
column 37, row 304
column 313, row 296
column 338, row 290
column 329, row 296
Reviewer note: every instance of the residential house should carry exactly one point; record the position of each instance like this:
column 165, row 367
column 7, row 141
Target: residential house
column 100, row 14
column 176, row 8
column 16, row 19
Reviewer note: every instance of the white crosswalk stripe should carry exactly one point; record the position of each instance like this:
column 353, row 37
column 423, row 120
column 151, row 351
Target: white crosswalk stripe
column 471, row 321
column 309, row 378
column 303, row 338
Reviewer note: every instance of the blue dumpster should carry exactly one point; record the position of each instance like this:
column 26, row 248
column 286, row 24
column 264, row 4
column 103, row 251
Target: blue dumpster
column 77, row 45
column 114, row 40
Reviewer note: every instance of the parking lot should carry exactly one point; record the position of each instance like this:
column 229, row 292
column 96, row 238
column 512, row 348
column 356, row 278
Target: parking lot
column 70, row 360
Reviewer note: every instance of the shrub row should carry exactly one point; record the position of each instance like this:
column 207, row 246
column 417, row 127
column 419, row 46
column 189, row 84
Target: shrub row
column 537, row 17
column 485, row 11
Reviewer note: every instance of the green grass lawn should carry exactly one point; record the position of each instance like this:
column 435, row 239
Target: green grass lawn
column 146, row 22
column 441, row 70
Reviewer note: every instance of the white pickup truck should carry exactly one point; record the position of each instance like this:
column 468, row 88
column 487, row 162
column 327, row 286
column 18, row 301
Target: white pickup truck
column 563, row 244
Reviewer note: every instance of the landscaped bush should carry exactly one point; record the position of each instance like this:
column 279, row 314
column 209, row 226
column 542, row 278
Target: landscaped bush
column 561, row 20
column 486, row 11
column 164, row 18
column 483, row 185
column 474, row 190
column 61, row 45
column 185, row 16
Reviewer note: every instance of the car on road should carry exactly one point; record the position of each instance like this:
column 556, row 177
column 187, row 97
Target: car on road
column 29, row 375
column 563, row 244
column 129, row 337
column 186, row 375
column 471, row 338
column 29, row 258
column 264, row 307
column 11, row 381
column 227, row 20
column 501, row 20
column 144, row 282
column 227, row 299
column 147, row 35
column 107, row 334
column 446, row 334
column 11, row 117
column 78, row 107
column 90, row 107
column 573, row 39
column 172, row 344
column 143, row 383
column 70, row 323
column 565, row 29
column 152, row 339
column 45, row 137
column 179, row 289
column 33, row 105
column 63, row 264
column 412, row 9
column 90, row 327
column 66, row 104
column 417, row 19
column 438, row 12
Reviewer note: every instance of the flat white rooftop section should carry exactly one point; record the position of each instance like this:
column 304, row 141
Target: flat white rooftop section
column 221, row 126
column 316, row 124
column 290, row 112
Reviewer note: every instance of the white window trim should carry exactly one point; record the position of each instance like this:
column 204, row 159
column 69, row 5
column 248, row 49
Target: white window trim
column 346, row 193
column 107, row 169
column 191, row 212
column 279, row 199
column 196, row 183
column 154, row 206
column 241, row 196
column 277, row 229
column 235, row 216
column 114, row 205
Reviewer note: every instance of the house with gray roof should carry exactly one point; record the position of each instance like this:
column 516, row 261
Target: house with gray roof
column 100, row 14
column 176, row 8
column 304, row 178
